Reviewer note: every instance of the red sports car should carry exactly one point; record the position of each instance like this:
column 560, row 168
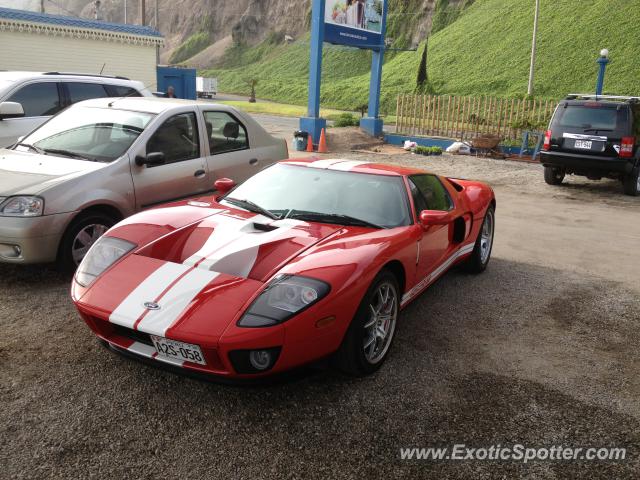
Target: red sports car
column 306, row 259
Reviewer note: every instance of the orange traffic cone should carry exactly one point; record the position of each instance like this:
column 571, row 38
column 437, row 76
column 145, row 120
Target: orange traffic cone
column 322, row 145
column 310, row 143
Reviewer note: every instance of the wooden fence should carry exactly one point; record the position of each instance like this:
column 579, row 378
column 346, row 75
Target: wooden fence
column 464, row 118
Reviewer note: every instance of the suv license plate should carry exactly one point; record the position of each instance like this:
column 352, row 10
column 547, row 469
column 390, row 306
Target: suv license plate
column 178, row 350
column 583, row 144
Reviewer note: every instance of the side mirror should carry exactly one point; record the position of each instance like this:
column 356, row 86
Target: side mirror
column 223, row 185
column 152, row 159
column 434, row 217
column 11, row 110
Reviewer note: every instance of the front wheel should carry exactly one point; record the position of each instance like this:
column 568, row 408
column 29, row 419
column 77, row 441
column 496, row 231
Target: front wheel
column 369, row 337
column 481, row 253
column 83, row 232
column 631, row 182
column 554, row 175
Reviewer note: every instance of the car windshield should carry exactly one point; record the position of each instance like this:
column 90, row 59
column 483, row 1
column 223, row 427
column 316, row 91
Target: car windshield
column 589, row 118
column 97, row 134
column 326, row 196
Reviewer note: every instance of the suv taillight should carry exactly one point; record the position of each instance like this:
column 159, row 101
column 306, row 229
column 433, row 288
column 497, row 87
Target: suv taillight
column 626, row 149
column 547, row 140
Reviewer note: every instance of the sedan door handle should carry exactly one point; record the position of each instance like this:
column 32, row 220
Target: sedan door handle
column 199, row 173
column 253, row 161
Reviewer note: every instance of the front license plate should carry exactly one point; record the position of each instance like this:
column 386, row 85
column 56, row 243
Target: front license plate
column 584, row 144
column 178, row 350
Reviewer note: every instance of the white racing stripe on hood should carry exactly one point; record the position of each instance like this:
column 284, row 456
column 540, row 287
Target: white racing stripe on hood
column 151, row 287
column 234, row 249
column 175, row 301
column 323, row 163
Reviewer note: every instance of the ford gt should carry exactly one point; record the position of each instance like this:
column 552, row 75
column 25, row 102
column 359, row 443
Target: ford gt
column 307, row 259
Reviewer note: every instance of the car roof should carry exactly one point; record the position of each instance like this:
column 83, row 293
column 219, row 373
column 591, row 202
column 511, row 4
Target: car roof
column 17, row 75
column 146, row 104
column 357, row 166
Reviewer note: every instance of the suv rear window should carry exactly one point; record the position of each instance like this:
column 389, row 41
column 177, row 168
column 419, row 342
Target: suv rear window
column 589, row 118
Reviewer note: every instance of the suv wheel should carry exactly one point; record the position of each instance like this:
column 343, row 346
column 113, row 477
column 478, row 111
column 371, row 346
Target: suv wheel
column 83, row 232
column 553, row 175
column 631, row 182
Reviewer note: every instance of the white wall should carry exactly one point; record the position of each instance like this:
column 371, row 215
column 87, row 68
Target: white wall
column 38, row 52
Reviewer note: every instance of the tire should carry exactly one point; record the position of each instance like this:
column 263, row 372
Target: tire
column 481, row 254
column 631, row 182
column 554, row 175
column 94, row 224
column 354, row 357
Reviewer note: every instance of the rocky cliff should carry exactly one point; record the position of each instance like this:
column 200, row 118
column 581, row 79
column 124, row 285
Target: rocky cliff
column 244, row 21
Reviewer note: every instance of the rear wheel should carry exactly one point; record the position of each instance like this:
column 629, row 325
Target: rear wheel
column 83, row 232
column 481, row 253
column 631, row 182
column 554, row 175
column 369, row 337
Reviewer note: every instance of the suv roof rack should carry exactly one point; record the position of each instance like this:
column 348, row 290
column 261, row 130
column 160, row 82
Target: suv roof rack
column 87, row 75
column 591, row 96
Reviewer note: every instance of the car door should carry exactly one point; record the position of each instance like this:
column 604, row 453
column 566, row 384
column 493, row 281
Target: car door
column 39, row 100
column 436, row 243
column 229, row 149
column 184, row 172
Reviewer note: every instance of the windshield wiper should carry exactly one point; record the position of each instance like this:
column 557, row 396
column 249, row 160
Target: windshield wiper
column 331, row 218
column 252, row 207
column 598, row 130
column 30, row 147
column 67, row 153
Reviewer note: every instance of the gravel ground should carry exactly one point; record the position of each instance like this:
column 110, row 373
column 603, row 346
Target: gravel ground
column 540, row 350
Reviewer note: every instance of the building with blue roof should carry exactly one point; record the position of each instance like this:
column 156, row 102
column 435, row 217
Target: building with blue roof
column 43, row 42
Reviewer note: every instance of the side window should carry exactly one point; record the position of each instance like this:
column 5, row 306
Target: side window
column 177, row 138
column 121, row 91
column 84, row 91
column 431, row 189
column 38, row 99
column 419, row 202
column 225, row 133
column 636, row 120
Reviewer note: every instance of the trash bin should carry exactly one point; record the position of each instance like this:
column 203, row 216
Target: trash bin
column 300, row 140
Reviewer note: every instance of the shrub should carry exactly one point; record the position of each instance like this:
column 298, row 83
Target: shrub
column 346, row 120
column 427, row 150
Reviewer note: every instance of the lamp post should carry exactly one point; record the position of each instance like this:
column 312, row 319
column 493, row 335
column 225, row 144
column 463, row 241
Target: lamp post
column 603, row 60
column 532, row 66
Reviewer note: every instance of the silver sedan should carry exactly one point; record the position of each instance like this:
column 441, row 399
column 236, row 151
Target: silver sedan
column 99, row 161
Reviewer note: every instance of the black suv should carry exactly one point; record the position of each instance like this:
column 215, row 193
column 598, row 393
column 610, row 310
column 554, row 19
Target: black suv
column 594, row 136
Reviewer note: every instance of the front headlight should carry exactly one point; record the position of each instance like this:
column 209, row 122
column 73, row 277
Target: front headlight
column 284, row 297
column 104, row 253
column 25, row 206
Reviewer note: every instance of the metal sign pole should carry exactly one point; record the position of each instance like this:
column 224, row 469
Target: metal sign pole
column 313, row 123
column 372, row 124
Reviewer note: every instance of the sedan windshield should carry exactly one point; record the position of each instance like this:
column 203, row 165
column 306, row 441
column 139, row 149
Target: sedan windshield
column 325, row 196
column 97, row 134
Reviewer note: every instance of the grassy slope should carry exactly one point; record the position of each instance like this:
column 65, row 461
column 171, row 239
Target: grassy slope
column 486, row 51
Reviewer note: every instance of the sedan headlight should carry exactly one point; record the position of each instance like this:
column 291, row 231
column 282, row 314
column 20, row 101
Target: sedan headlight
column 104, row 253
column 284, row 297
column 24, row 206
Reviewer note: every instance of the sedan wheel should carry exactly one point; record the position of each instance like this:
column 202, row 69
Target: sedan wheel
column 85, row 239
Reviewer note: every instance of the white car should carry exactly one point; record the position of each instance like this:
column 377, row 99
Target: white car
column 101, row 160
column 28, row 99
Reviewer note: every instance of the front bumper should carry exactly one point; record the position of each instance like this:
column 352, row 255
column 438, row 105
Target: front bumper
column 585, row 164
column 32, row 240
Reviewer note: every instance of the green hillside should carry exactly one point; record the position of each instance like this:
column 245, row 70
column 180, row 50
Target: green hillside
column 484, row 51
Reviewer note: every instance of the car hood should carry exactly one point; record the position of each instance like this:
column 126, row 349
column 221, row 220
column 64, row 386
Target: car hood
column 200, row 276
column 30, row 173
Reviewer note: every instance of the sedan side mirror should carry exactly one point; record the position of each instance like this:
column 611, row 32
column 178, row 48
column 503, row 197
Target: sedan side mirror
column 11, row 110
column 223, row 185
column 152, row 159
column 434, row 217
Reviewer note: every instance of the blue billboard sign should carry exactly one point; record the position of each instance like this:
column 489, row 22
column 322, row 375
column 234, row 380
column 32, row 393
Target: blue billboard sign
column 356, row 23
